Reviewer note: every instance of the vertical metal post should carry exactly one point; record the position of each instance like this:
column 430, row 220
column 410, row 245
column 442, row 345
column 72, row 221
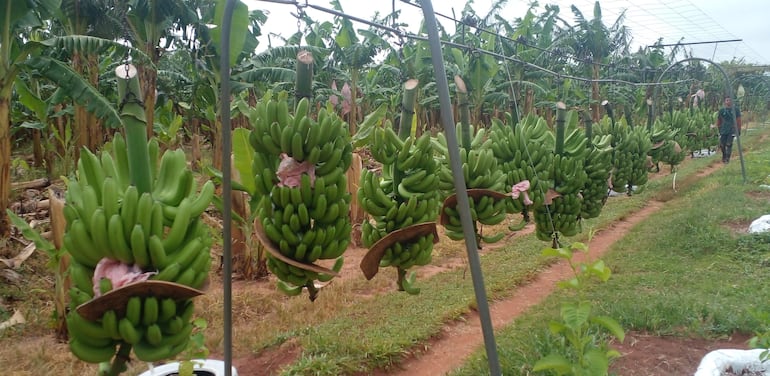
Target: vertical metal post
column 224, row 114
column 459, row 182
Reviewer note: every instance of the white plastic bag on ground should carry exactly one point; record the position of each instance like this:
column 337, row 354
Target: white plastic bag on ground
column 761, row 224
column 717, row 362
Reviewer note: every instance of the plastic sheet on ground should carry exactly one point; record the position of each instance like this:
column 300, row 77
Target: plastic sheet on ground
column 703, row 153
column 761, row 224
column 717, row 362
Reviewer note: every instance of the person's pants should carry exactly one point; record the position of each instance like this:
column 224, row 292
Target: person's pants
column 726, row 146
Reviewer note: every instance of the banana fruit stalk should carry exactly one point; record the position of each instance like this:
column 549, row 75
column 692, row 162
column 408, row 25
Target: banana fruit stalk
column 158, row 231
column 481, row 170
column 305, row 216
column 394, row 205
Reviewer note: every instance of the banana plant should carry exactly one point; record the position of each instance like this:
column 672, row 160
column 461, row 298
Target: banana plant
column 86, row 18
column 530, row 38
column 595, row 41
column 354, row 55
column 205, row 71
column 146, row 23
column 19, row 55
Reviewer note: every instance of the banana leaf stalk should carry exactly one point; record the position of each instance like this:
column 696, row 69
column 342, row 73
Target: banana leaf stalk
column 119, row 362
column 650, row 119
column 407, row 114
column 134, row 123
column 628, row 116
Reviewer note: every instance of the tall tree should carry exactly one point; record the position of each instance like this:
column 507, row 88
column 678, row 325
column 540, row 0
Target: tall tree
column 146, row 23
column 19, row 17
column 19, row 53
column 86, row 17
column 593, row 40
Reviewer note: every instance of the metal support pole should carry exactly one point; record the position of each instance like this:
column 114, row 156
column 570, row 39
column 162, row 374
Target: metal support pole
column 459, row 182
column 224, row 113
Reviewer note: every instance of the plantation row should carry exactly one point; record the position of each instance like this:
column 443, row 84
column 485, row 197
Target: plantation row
column 294, row 167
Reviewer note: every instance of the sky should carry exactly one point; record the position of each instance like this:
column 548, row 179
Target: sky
column 673, row 20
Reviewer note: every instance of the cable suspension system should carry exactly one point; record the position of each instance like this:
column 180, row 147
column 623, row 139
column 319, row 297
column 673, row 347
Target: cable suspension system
column 402, row 34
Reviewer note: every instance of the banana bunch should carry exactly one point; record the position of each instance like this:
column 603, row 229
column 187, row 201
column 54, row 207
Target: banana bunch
column 693, row 128
column 305, row 216
column 568, row 173
column 404, row 195
column 480, row 170
column 664, row 147
column 629, row 159
column 414, row 199
column 158, row 231
column 525, row 151
column 385, row 145
column 632, row 154
column 156, row 328
column 485, row 210
column 598, row 167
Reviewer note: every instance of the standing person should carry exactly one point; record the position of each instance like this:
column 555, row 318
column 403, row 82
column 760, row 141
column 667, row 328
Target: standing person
column 727, row 128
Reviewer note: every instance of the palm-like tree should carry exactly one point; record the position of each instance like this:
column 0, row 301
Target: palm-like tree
column 19, row 53
column 593, row 40
column 145, row 23
column 86, row 18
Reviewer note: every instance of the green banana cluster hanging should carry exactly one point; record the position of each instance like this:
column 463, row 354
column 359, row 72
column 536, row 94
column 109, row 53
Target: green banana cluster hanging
column 300, row 166
column 403, row 195
column 158, row 233
column 481, row 171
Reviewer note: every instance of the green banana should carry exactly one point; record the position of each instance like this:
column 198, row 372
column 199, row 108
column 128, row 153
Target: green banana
column 167, row 310
column 91, row 354
column 79, row 244
column 134, row 310
column 139, row 246
column 128, row 331
column 151, row 311
column 179, row 227
column 287, row 289
column 117, row 240
column 128, row 208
